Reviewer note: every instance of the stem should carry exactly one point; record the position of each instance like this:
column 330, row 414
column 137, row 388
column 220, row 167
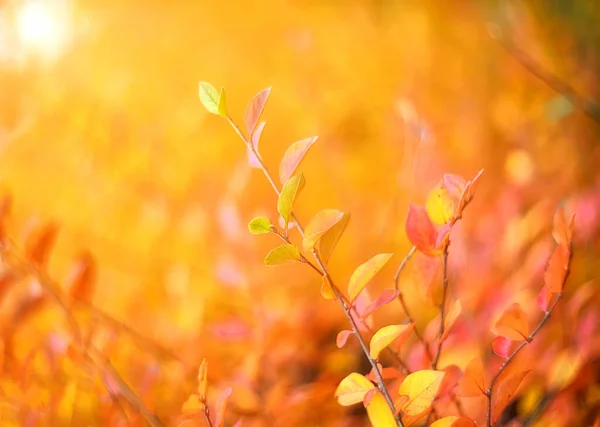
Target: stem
column 324, row 272
column 442, row 305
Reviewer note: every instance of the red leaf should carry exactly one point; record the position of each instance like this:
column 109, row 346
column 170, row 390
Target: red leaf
column 501, row 346
column 556, row 271
column 387, row 296
column 505, row 392
column 254, row 110
column 342, row 338
column 293, row 157
column 420, row 230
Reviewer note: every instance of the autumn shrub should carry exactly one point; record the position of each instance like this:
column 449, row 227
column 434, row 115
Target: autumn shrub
column 406, row 385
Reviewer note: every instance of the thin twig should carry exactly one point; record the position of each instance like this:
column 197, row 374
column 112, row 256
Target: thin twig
column 442, row 305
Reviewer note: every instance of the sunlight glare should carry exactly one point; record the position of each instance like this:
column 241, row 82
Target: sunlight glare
column 41, row 26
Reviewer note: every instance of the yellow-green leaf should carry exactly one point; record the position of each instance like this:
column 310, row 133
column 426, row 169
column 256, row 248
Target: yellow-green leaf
column 379, row 412
column 440, row 206
column 222, row 104
column 421, row 388
column 259, row 225
column 352, row 389
column 282, row 254
column 384, row 337
column 364, row 273
column 319, row 225
column 331, row 237
column 291, row 189
column 209, row 97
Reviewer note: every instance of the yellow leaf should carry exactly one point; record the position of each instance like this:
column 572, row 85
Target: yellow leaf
column 319, row 225
column 209, row 97
column 352, row 389
column 379, row 412
column 259, row 225
column 67, row 403
column 384, row 337
column 282, row 254
column 192, row 405
column 564, row 369
column 222, row 104
column 454, row 421
column 364, row 273
column 439, row 206
column 331, row 237
column 326, row 290
column 202, row 380
column 289, row 192
column 421, row 387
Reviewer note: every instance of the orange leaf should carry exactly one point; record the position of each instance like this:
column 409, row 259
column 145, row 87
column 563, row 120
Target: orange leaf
column 453, row 312
column 421, row 387
column 255, row 109
column 342, row 338
column 501, row 346
column 472, row 383
column 556, row 271
column 293, row 157
column 364, row 273
column 384, row 337
column 39, row 243
column 420, row 230
column 453, row 421
column 513, row 324
column 319, row 225
column 82, row 282
column 352, row 389
column 221, row 407
column 379, row 412
column 543, row 298
column 505, row 392
column 331, row 237
column 561, row 231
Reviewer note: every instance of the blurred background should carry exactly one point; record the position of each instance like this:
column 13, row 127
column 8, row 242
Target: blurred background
column 102, row 133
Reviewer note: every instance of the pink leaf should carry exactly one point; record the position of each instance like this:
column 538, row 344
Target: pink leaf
column 543, row 298
column 342, row 338
column 455, row 185
column 387, row 296
column 293, row 157
column 420, row 230
column 254, row 110
column 255, row 140
column 221, row 406
column 501, row 346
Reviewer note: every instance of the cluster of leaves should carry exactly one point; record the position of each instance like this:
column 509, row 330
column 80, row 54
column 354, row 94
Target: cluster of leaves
column 399, row 394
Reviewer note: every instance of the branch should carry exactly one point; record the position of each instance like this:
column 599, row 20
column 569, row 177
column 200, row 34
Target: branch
column 442, row 305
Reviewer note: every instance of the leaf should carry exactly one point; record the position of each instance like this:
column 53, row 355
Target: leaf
column 260, row 225
column 505, row 392
column 82, row 282
column 221, row 406
column 455, row 185
column 282, row 254
column 293, row 157
column 556, row 271
column 291, row 189
column 439, row 206
column 472, row 383
column 513, row 324
column 39, row 243
column 364, row 273
column 319, row 225
column 330, row 238
column 472, row 186
column 192, row 405
column 387, row 296
column 384, row 337
column 326, row 290
column 454, row 421
column 222, row 104
column 421, row 387
column 202, row 379
column 543, row 298
column 561, row 231
column 254, row 140
column 209, row 97
column 453, row 313
column 420, row 230
column 564, row 370
column 342, row 338
column 501, row 346
column 352, row 389
column 379, row 412
column 255, row 109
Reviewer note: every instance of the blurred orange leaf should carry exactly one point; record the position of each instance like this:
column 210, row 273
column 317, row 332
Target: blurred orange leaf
column 384, row 337
column 39, row 244
column 561, row 231
column 379, row 412
column 421, row 388
column 254, row 110
column 365, row 272
column 453, row 312
column 319, row 225
column 556, row 271
column 513, row 324
column 221, row 406
column 293, row 157
column 342, row 338
column 82, row 281
column 290, row 191
column 505, row 392
column 352, row 389
column 282, row 254
column 472, row 383
column 564, row 370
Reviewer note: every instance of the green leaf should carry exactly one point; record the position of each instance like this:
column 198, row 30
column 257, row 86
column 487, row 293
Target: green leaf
column 289, row 192
column 209, row 97
column 283, row 254
column 259, row 225
column 222, row 104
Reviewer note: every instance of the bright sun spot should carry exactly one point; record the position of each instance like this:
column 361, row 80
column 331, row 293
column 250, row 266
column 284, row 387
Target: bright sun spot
column 42, row 26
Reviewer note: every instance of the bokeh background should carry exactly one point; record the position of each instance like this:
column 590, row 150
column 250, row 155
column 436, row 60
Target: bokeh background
column 103, row 134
